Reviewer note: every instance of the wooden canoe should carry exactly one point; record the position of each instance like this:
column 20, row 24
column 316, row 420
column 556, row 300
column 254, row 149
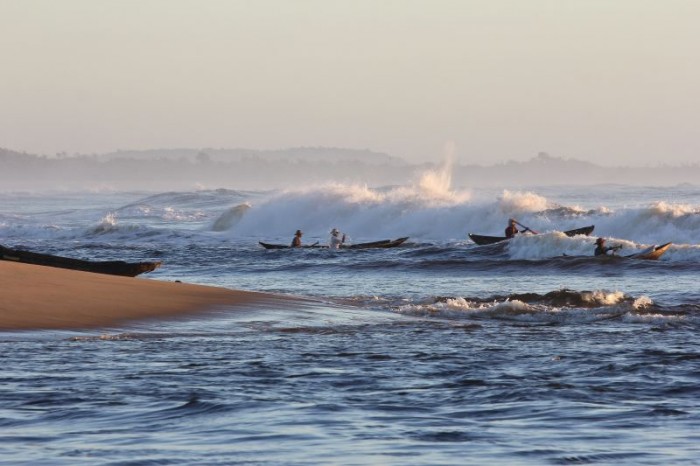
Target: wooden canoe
column 127, row 269
column 382, row 244
column 387, row 243
column 286, row 246
column 652, row 253
column 482, row 240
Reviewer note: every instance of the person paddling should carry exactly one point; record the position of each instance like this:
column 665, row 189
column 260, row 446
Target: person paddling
column 602, row 250
column 512, row 229
column 296, row 241
column 336, row 241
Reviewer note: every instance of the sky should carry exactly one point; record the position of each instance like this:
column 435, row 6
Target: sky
column 614, row 82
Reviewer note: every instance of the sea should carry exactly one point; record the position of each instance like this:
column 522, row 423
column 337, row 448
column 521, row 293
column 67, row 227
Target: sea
column 438, row 352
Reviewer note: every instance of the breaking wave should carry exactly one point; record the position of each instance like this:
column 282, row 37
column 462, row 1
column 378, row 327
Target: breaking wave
column 561, row 307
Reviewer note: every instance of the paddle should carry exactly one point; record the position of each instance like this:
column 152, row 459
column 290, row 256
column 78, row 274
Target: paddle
column 526, row 228
column 615, row 248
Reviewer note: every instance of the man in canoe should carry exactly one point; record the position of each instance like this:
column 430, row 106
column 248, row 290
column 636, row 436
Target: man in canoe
column 296, row 241
column 336, row 240
column 511, row 229
column 602, row 250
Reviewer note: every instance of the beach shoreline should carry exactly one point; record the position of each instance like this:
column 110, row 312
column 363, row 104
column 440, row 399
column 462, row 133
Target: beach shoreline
column 48, row 298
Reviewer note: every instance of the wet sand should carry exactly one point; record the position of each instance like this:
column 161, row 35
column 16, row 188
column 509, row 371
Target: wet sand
column 38, row 297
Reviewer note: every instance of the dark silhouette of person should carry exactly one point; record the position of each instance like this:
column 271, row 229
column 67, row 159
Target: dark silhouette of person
column 296, row 241
column 511, row 229
column 601, row 249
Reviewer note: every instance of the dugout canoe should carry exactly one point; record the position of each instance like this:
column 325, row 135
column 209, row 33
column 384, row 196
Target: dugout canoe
column 381, row 244
column 286, row 246
column 126, row 269
column 651, row 253
column 482, row 240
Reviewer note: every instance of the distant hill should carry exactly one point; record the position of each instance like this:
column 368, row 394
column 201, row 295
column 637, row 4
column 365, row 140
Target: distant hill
column 546, row 170
column 306, row 154
column 186, row 169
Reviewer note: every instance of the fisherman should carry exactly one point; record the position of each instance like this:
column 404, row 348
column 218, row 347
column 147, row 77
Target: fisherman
column 296, row 241
column 511, row 229
column 602, row 250
column 336, row 240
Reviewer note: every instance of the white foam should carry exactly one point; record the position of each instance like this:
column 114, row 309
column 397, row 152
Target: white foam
column 642, row 302
column 606, row 305
column 514, row 203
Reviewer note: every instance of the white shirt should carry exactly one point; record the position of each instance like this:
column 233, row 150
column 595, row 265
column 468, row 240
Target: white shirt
column 335, row 242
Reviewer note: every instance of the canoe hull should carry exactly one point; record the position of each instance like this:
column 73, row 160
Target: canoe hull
column 382, row 244
column 126, row 269
column 286, row 246
column 377, row 244
column 483, row 240
column 652, row 254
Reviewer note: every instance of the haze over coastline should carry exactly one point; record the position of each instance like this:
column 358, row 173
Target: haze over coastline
column 612, row 83
column 208, row 168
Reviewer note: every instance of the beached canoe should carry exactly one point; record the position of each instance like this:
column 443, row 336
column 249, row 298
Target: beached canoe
column 127, row 269
column 482, row 240
column 382, row 244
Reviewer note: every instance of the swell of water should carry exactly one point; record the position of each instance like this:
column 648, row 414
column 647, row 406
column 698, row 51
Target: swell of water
column 415, row 391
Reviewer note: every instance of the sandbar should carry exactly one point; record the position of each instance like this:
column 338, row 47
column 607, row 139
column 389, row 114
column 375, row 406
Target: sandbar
column 36, row 297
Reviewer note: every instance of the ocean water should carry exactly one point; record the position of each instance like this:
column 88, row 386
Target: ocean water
column 437, row 352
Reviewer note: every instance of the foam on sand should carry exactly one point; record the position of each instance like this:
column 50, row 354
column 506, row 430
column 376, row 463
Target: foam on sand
column 37, row 297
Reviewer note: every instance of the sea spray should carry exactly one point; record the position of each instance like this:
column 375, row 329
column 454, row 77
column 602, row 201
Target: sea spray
column 426, row 208
column 427, row 211
column 107, row 224
column 436, row 183
column 655, row 223
column 515, row 203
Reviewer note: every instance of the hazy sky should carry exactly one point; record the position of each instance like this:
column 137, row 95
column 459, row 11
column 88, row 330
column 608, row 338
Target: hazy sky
column 611, row 81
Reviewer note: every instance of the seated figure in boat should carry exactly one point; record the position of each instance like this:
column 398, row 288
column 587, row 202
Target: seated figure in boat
column 511, row 229
column 602, row 250
column 296, row 241
column 336, row 240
